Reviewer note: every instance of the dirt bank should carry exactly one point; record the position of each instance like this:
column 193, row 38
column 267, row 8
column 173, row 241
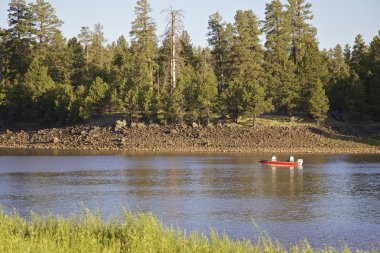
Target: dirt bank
column 218, row 138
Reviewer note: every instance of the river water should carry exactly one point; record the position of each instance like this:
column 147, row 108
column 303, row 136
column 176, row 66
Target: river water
column 334, row 199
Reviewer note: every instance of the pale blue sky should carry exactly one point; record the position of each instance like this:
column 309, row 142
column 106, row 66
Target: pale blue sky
column 337, row 21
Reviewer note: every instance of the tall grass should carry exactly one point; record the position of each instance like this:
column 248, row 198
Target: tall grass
column 135, row 232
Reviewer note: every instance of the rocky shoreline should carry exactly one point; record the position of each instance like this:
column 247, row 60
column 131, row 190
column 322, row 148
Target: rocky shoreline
column 297, row 138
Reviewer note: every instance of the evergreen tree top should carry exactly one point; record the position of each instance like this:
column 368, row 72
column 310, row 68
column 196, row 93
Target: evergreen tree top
column 20, row 19
column 143, row 27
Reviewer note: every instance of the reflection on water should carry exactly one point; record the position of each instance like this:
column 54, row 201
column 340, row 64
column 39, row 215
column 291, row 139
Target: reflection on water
column 331, row 200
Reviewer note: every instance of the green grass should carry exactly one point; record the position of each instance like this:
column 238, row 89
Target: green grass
column 136, row 232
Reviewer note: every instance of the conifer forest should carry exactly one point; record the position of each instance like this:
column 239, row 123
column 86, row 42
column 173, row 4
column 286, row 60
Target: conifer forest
column 251, row 67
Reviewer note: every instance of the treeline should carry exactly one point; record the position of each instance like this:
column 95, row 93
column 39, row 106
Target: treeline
column 48, row 78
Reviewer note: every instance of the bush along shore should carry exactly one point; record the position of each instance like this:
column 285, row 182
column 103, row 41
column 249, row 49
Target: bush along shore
column 267, row 136
column 135, row 232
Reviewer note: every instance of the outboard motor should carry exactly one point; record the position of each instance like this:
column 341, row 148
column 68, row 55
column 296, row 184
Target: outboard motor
column 300, row 162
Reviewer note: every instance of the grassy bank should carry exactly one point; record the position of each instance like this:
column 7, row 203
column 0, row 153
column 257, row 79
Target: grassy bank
column 87, row 232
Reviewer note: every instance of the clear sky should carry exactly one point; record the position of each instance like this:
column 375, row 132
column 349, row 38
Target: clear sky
column 337, row 21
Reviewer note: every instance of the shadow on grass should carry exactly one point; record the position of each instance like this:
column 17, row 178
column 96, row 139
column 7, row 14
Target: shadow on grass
column 354, row 132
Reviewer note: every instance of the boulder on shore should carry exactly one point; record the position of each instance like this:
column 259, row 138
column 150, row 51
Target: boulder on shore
column 120, row 124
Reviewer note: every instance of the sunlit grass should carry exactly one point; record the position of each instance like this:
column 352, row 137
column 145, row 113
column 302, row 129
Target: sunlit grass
column 278, row 121
column 135, row 232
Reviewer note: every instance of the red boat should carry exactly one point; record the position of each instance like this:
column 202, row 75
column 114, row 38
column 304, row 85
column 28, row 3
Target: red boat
column 279, row 163
column 289, row 163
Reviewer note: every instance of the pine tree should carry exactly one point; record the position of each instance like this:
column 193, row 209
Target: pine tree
column 185, row 96
column 299, row 13
column 144, row 54
column 347, row 53
column 57, row 60
column 18, row 100
column 250, row 99
column 163, row 60
column 220, row 37
column 84, row 38
column 20, row 43
column 144, row 44
column 304, row 53
column 206, row 85
column 199, row 87
column 246, row 94
column 310, row 63
column 338, row 67
column 4, row 104
column 186, row 54
column 121, row 56
column 339, row 73
column 160, row 111
column 120, row 67
column 312, row 70
column 319, row 103
column 280, row 69
column 358, row 57
column 233, row 99
column 55, row 105
column 162, row 99
column 4, row 61
column 46, row 25
column 356, row 98
column 76, row 61
column 256, row 99
column 20, row 20
column 37, row 80
column 114, row 104
column 96, row 99
column 373, row 81
column 132, row 105
column 35, row 84
column 349, row 99
column 96, row 53
column 246, row 43
column 64, row 100
column 146, row 102
column 2, row 94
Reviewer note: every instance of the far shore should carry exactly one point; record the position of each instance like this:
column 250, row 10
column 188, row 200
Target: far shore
column 267, row 136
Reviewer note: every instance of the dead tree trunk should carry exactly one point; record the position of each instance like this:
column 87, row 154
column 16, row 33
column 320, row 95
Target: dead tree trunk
column 173, row 53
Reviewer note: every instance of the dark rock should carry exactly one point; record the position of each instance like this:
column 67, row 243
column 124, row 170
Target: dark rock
column 205, row 143
column 196, row 135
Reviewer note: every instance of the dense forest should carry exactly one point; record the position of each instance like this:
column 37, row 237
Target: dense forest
column 48, row 78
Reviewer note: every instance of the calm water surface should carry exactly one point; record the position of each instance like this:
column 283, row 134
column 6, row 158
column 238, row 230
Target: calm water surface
column 334, row 199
